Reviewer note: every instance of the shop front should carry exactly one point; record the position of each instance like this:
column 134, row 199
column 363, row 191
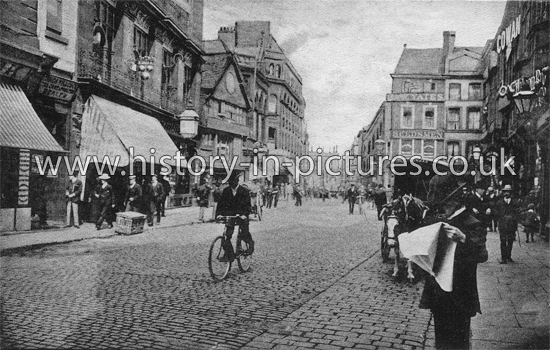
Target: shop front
column 25, row 192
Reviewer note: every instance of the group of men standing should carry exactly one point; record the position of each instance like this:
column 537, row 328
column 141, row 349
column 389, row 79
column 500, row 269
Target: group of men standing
column 149, row 201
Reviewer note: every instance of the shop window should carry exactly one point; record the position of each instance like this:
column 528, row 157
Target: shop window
column 54, row 17
column 453, row 148
column 474, row 91
column 454, row 92
column 407, row 117
column 428, row 148
column 406, row 148
column 474, row 115
column 453, row 119
column 429, row 117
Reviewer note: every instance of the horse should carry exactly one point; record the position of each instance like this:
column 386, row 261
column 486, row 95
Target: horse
column 403, row 214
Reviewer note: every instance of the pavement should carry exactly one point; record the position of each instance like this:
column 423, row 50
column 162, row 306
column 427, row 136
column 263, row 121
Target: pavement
column 307, row 300
column 14, row 241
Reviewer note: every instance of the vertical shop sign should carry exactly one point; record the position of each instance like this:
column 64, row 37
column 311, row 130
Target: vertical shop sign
column 24, row 175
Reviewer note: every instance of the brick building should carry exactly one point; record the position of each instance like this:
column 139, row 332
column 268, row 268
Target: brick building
column 37, row 65
column 139, row 65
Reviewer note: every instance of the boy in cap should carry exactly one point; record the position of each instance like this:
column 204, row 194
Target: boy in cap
column 106, row 199
column 133, row 195
column 235, row 201
column 453, row 310
column 531, row 222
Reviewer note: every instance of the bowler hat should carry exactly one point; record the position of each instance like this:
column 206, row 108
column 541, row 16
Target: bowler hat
column 507, row 188
column 104, row 177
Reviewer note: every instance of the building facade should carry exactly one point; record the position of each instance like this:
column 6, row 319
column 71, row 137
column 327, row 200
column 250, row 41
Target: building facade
column 37, row 65
column 518, row 65
column 435, row 106
column 139, row 72
column 275, row 88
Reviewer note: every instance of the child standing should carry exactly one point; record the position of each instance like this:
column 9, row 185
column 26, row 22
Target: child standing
column 531, row 222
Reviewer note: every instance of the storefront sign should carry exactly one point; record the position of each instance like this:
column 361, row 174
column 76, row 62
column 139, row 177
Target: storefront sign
column 59, row 88
column 537, row 83
column 418, row 134
column 24, row 176
column 504, row 39
column 416, row 97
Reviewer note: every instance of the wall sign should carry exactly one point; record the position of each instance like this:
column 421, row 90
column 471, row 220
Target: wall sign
column 59, row 88
column 416, row 97
column 504, row 39
column 418, row 134
column 24, row 176
column 537, row 83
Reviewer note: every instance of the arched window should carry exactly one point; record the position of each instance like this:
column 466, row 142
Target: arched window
column 271, row 67
column 272, row 104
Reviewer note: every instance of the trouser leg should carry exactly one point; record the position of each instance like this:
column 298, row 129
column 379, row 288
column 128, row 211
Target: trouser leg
column 503, row 248
column 68, row 222
column 227, row 246
column 158, row 207
column 150, row 212
column 76, row 219
column 452, row 330
column 102, row 214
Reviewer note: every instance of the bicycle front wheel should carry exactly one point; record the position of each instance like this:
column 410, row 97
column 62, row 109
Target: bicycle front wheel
column 218, row 269
column 243, row 260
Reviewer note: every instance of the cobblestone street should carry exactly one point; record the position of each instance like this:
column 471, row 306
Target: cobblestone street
column 154, row 291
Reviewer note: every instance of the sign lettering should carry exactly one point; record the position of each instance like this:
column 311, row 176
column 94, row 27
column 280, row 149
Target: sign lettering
column 418, row 134
column 416, row 97
column 504, row 39
column 59, row 88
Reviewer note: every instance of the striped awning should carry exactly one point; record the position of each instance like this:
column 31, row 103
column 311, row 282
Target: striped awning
column 20, row 126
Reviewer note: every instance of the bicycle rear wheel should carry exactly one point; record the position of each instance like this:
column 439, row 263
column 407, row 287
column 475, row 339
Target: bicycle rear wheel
column 243, row 260
column 218, row 269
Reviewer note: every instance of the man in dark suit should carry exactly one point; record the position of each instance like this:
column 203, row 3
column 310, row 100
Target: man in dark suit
column 154, row 194
column 106, row 198
column 235, row 201
column 133, row 195
column 507, row 213
column 351, row 196
column 453, row 310
column 380, row 199
column 74, row 190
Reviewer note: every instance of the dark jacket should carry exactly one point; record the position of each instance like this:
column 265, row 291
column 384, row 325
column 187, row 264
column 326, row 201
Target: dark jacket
column 230, row 204
column 351, row 194
column 76, row 188
column 531, row 220
column 154, row 193
column 507, row 216
column 106, row 195
column 203, row 193
column 135, row 193
column 472, row 202
column 464, row 296
column 380, row 197
column 217, row 194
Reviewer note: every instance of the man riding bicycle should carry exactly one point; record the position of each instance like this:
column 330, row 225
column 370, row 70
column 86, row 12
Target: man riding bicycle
column 235, row 201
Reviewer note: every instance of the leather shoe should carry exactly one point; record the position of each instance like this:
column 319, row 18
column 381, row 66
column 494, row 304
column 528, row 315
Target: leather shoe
column 250, row 249
column 502, row 261
column 510, row 260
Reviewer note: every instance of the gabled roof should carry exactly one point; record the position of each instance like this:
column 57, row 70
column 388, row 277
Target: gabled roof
column 419, row 61
column 214, row 46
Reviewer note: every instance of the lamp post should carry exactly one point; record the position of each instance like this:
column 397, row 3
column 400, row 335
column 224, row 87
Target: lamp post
column 524, row 98
column 189, row 123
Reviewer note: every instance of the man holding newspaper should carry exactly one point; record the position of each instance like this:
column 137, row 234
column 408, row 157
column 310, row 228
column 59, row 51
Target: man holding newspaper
column 449, row 248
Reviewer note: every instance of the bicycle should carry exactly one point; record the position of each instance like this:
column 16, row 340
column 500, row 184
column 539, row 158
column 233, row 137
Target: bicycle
column 220, row 269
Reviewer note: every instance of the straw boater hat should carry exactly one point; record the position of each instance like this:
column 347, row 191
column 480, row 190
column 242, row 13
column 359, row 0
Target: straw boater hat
column 104, row 177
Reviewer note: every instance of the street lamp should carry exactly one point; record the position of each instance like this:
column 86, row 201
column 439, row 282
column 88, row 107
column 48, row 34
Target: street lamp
column 524, row 98
column 189, row 123
column 142, row 64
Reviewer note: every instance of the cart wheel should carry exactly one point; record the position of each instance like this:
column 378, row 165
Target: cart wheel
column 384, row 246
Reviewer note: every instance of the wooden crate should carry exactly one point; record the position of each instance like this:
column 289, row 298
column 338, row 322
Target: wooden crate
column 129, row 223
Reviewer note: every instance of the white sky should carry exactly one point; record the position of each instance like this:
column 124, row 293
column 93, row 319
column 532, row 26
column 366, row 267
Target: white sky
column 345, row 50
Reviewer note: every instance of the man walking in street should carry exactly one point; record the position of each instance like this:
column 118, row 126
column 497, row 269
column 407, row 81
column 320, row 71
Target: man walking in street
column 203, row 197
column 275, row 194
column 380, row 199
column 507, row 213
column 154, row 194
column 106, row 201
column 351, row 196
column 74, row 190
column 166, row 193
column 133, row 195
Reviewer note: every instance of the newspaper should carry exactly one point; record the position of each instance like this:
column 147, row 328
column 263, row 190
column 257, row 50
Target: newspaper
column 431, row 249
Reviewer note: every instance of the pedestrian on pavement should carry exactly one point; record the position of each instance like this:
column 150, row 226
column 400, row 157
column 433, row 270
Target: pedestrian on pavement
column 351, row 196
column 380, row 199
column 106, row 202
column 73, row 192
column 166, row 193
column 268, row 196
column 452, row 311
column 298, row 195
column 475, row 203
column 531, row 222
column 507, row 212
column 203, row 197
column 275, row 194
column 134, row 195
column 289, row 192
column 154, row 194
column 490, row 198
column 216, row 195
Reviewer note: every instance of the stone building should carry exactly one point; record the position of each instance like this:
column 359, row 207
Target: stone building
column 139, row 71
column 435, row 105
column 516, row 101
column 275, row 88
column 37, row 65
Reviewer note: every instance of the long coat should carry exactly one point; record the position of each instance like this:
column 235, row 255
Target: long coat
column 230, row 204
column 507, row 216
column 464, row 297
column 76, row 189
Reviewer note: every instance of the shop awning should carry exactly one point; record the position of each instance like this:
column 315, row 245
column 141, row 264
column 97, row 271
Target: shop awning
column 20, row 126
column 113, row 130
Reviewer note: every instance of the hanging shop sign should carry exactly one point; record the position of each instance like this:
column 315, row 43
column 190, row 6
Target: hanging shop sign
column 24, row 177
column 504, row 39
column 538, row 83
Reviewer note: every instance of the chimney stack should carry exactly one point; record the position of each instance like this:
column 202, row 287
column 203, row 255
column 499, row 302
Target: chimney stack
column 448, row 48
